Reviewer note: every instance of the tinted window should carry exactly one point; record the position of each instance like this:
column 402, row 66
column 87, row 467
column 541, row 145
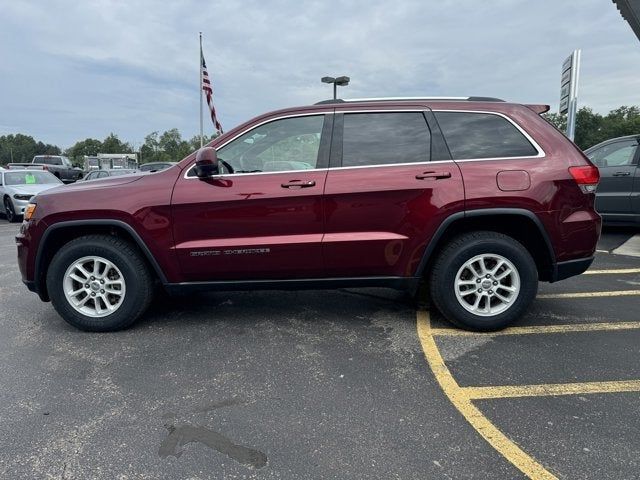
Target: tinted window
column 482, row 135
column 384, row 138
column 281, row 145
column 49, row 160
column 616, row 154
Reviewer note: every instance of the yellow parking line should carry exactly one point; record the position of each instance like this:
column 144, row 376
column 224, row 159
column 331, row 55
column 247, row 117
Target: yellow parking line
column 616, row 293
column 461, row 400
column 539, row 329
column 615, row 271
column 551, row 389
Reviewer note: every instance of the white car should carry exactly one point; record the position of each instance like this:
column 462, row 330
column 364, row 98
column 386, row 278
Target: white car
column 17, row 187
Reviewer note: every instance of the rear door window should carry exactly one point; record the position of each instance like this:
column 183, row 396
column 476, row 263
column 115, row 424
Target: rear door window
column 385, row 138
column 472, row 135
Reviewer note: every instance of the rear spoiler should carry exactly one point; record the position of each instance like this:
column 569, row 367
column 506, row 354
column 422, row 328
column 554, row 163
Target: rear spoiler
column 539, row 109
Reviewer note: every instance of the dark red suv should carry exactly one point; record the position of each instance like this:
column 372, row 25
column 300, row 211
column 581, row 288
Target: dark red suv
column 479, row 197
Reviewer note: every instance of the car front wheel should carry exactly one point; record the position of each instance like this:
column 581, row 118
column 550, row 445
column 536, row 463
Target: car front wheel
column 483, row 281
column 9, row 211
column 99, row 283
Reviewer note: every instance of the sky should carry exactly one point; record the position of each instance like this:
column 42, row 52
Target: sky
column 71, row 69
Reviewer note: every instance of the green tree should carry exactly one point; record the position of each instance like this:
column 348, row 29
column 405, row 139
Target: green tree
column 168, row 146
column 47, row 149
column 150, row 149
column 22, row 148
column 593, row 128
column 557, row 120
column 194, row 143
column 89, row 146
column 112, row 144
column 172, row 145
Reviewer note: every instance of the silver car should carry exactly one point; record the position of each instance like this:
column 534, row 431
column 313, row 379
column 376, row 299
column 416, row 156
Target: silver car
column 17, row 187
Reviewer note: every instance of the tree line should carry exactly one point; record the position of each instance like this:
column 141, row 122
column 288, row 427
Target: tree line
column 166, row 146
column 591, row 128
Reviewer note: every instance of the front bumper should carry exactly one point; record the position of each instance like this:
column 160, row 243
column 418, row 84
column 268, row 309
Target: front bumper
column 570, row 268
column 20, row 205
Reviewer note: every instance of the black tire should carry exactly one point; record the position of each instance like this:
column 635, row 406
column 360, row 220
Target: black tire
column 9, row 211
column 442, row 281
column 126, row 257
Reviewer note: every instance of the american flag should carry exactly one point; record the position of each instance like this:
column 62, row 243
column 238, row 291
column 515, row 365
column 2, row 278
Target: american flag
column 208, row 91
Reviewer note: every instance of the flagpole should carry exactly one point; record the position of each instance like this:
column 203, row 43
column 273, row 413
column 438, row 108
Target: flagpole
column 200, row 87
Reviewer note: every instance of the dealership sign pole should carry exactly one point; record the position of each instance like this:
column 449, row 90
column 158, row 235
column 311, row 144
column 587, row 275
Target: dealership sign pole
column 569, row 91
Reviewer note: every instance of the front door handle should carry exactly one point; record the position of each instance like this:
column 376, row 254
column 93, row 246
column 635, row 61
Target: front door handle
column 433, row 175
column 622, row 174
column 299, row 184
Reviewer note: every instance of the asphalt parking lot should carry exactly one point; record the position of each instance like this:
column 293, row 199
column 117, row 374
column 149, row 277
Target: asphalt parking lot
column 325, row 384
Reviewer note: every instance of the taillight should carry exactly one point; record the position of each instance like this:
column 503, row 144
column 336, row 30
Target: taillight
column 587, row 177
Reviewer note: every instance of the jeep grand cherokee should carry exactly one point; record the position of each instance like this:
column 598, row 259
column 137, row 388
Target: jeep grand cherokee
column 478, row 197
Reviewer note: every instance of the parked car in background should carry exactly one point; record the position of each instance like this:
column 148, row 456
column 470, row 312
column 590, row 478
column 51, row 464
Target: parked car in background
column 18, row 187
column 58, row 165
column 618, row 195
column 155, row 166
column 96, row 174
column 477, row 197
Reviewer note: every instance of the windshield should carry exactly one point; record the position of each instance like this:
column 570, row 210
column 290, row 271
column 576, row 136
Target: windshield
column 30, row 177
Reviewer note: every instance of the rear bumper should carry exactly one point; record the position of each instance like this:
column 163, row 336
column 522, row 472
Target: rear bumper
column 570, row 268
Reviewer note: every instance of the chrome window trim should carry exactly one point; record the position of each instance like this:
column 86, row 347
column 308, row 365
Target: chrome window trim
column 541, row 153
column 269, row 120
column 392, row 165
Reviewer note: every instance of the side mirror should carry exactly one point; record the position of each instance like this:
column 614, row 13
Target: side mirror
column 206, row 163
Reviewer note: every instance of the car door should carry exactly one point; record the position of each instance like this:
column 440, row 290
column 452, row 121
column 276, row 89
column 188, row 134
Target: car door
column 264, row 220
column 635, row 196
column 617, row 164
column 389, row 187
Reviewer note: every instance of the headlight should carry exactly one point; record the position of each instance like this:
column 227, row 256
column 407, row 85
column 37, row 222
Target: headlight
column 21, row 196
column 29, row 211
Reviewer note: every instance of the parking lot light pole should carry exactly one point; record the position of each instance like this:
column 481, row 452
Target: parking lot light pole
column 342, row 81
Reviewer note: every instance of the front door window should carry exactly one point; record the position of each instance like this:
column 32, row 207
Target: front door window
column 288, row 144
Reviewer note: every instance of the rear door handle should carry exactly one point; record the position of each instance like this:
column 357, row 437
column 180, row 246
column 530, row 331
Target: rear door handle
column 433, row 175
column 622, row 174
column 299, row 184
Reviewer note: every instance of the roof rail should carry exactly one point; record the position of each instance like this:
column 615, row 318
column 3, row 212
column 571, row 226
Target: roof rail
column 382, row 99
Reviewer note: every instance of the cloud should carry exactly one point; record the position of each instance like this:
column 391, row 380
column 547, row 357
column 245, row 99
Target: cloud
column 72, row 70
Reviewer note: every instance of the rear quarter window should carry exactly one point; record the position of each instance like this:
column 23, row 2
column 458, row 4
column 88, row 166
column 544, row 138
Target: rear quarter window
column 482, row 135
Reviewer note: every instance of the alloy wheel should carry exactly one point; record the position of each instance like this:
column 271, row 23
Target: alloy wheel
column 487, row 285
column 94, row 286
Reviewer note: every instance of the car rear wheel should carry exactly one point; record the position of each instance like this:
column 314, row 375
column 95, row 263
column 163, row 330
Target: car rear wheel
column 99, row 283
column 483, row 281
column 9, row 211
